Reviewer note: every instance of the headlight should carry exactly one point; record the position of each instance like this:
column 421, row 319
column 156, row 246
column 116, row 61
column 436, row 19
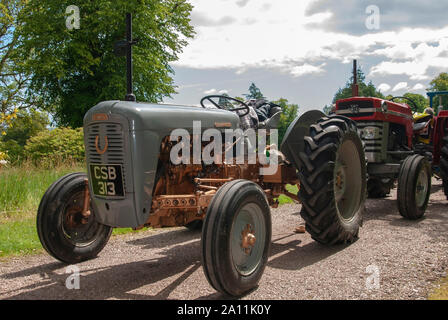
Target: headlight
column 370, row 133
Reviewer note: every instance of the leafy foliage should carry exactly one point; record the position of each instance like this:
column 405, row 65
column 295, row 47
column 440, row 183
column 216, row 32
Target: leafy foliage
column 288, row 115
column 254, row 93
column 75, row 69
column 13, row 82
column 3, row 153
column 289, row 111
column 421, row 101
column 327, row 109
column 440, row 83
column 24, row 125
column 54, row 146
column 365, row 89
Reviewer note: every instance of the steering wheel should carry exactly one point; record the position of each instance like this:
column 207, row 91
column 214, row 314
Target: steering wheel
column 406, row 98
column 223, row 107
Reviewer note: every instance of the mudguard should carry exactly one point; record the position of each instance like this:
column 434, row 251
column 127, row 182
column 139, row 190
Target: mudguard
column 293, row 142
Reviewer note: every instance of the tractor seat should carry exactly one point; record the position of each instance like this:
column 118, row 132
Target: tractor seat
column 271, row 123
column 419, row 126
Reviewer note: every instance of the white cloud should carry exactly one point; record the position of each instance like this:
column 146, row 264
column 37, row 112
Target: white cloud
column 306, row 68
column 400, row 86
column 242, row 3
column 384, row 87
column 223, row 91
column 211, row 91
column 280, row 38
column 418, row 86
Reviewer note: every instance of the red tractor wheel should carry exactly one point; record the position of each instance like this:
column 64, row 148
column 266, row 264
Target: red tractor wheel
column 444, row 163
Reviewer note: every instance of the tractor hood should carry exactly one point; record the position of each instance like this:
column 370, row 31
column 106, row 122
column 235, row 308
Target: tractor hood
column 162, row 117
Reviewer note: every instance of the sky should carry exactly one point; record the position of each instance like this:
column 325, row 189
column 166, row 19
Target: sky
column 303, row 50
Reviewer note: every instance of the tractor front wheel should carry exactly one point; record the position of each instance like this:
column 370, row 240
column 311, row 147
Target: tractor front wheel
column 414, row 187
column 236, row 238
column 333, row 184
column 65, row 233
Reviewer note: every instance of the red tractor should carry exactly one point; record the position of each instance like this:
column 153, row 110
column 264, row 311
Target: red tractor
column 400, row 146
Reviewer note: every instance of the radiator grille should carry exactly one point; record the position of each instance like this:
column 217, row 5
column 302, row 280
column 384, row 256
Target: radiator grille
column 115, row 153
column 354, row 109
column 375, row 147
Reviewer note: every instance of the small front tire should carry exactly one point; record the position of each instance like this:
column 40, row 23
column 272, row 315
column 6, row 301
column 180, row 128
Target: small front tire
column 63, row 231
column 236, row 238
column 414, row 187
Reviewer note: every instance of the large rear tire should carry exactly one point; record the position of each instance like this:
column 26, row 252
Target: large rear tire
column 414, row 187
column 63, row 231
column 236, row 238
column 444, row 163
column 333, row 181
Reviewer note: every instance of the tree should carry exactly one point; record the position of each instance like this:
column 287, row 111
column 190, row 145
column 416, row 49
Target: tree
column 440, row 83
column 421, row 101
column 75, row 69
column 365, row 89
column 328, row 108
column 27, row 124
column 254, row 93
column 14, row 93
column 289, row 113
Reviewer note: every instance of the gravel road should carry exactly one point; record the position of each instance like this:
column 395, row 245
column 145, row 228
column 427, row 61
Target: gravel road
column 408, row 258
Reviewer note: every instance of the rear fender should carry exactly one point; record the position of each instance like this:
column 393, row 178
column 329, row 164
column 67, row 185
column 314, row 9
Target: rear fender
column 293, row 142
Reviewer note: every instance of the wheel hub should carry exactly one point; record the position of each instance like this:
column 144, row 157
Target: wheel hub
column 79, row 226
column 421, row 188
column 248, row 239
column 347, row 181
column 340, row 182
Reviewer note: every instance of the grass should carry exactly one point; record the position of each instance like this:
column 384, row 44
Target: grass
column 284, row 199
column 21, row 189
column 441, row 291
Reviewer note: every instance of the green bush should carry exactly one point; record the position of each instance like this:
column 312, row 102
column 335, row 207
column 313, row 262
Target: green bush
column 15, row 151
column 3, row 152
column 55, row 146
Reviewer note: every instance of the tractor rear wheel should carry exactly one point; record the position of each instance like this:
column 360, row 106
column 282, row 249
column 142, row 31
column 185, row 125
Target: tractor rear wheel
column 64, row 232
column 444, row 163
column 333, row 181
column 379, row 188
column 236, row 237
column 414, row 187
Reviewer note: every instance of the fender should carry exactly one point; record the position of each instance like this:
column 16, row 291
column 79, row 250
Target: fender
column 293, row 142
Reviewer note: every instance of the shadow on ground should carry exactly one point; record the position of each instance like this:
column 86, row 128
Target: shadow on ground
column 182, row 258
